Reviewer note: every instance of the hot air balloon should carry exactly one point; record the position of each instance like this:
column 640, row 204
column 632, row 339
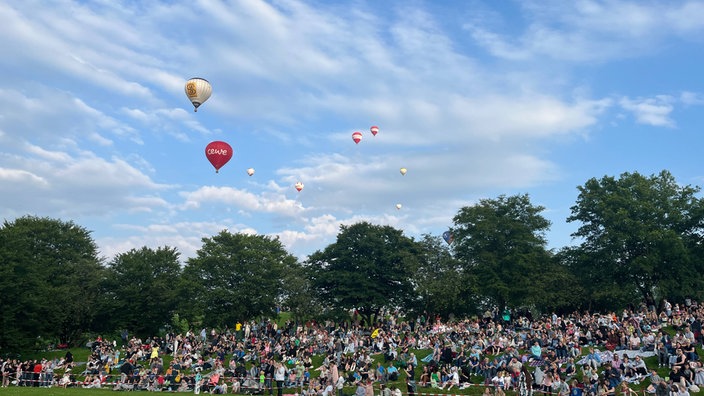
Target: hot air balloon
column 403, row 171
column 198, row 91
column 250, row 171
column 447, row 236
column 299, row 186
column 399, row 206
column 218, row 153
column 357, row 137
column 374, row 130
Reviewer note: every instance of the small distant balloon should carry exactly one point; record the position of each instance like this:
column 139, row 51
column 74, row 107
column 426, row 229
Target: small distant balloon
column 374, row 130
column 447, row 236
column 198, row 91
column 299, row 186
column 218, row 153
column 403, row 171
column 250, row 171
column 357, row 137
column 399, row 206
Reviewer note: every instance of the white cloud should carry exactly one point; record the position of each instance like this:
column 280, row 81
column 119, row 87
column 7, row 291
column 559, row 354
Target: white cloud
column 589, row 30
column 651, row 111
column 692, row 98
column 232, row 197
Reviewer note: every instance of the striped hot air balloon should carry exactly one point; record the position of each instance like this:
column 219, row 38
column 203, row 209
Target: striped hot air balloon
column 357, row 137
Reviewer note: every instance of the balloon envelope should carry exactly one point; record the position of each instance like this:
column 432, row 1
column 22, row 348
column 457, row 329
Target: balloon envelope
column 250, row 171
column 198, row 91
column 403, row 171
column 374, row 130
column 399, row 206
column 218, row 153
column 299, row 186
column 357, row 137
column 447, row 236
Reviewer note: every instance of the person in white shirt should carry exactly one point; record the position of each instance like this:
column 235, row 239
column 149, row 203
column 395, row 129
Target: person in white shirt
column 453, row 381
column 279, row 377
column 328, row 391
column 340, row 385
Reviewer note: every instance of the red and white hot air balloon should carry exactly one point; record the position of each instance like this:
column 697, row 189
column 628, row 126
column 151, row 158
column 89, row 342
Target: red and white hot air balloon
column 218, row 153
column 374, row 130
column 299, row 186
column 250, row 171
column 357, row 137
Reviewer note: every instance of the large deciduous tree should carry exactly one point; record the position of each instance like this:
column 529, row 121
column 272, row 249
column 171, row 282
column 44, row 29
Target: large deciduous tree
column 639, row 234
column 49, row 281
column 502, row 243
column 443, row 287
column 236, row 277
column 141, row 292
column 368, row 267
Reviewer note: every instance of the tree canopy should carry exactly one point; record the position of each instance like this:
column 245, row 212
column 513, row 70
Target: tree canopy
column 443, row 287
column 640, row 238
column 49, row 281
column 502, row 242
column 368, row 267
column 140, row 290
column 235, row 277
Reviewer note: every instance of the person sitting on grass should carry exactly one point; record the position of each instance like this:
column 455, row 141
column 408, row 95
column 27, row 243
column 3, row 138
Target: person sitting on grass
column 435, row 379
column 454, row 379
column 392, row 373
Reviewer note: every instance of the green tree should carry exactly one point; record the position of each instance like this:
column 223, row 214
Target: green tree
column 49, row 281
column 236, row 277
column 368, row 268
column 639, row 234
column 300, row 295
column 140, row 292
column 443, row 287
column 502, row 243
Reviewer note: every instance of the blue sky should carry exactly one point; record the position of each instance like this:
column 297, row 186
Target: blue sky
column 475, row 98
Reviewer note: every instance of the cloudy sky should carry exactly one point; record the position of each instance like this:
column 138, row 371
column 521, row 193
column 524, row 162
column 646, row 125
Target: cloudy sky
column 475, row 98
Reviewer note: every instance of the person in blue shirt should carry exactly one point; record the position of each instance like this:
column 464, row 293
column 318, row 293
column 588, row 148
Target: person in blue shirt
column 392, row 373
column 575, row 389
column 593, row 358
column 536, row 352
column 381, row 373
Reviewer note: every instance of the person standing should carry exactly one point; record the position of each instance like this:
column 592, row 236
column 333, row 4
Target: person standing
column 279, row 377
column 339, row 385
column 410, row 379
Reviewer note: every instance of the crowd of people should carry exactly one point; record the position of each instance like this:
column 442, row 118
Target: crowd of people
column 579, row 354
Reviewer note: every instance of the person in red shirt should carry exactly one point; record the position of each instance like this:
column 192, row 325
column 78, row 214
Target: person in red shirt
column 37, row 371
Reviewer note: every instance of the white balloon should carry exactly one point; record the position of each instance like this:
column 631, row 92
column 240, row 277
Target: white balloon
column 198, row 91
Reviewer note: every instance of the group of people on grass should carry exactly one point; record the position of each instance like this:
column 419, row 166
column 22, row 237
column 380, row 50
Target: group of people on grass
column 582, row 352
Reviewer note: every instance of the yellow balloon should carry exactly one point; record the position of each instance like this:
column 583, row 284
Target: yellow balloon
column 403, row 171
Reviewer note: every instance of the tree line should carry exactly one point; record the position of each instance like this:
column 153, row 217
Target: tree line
column 639, row 240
